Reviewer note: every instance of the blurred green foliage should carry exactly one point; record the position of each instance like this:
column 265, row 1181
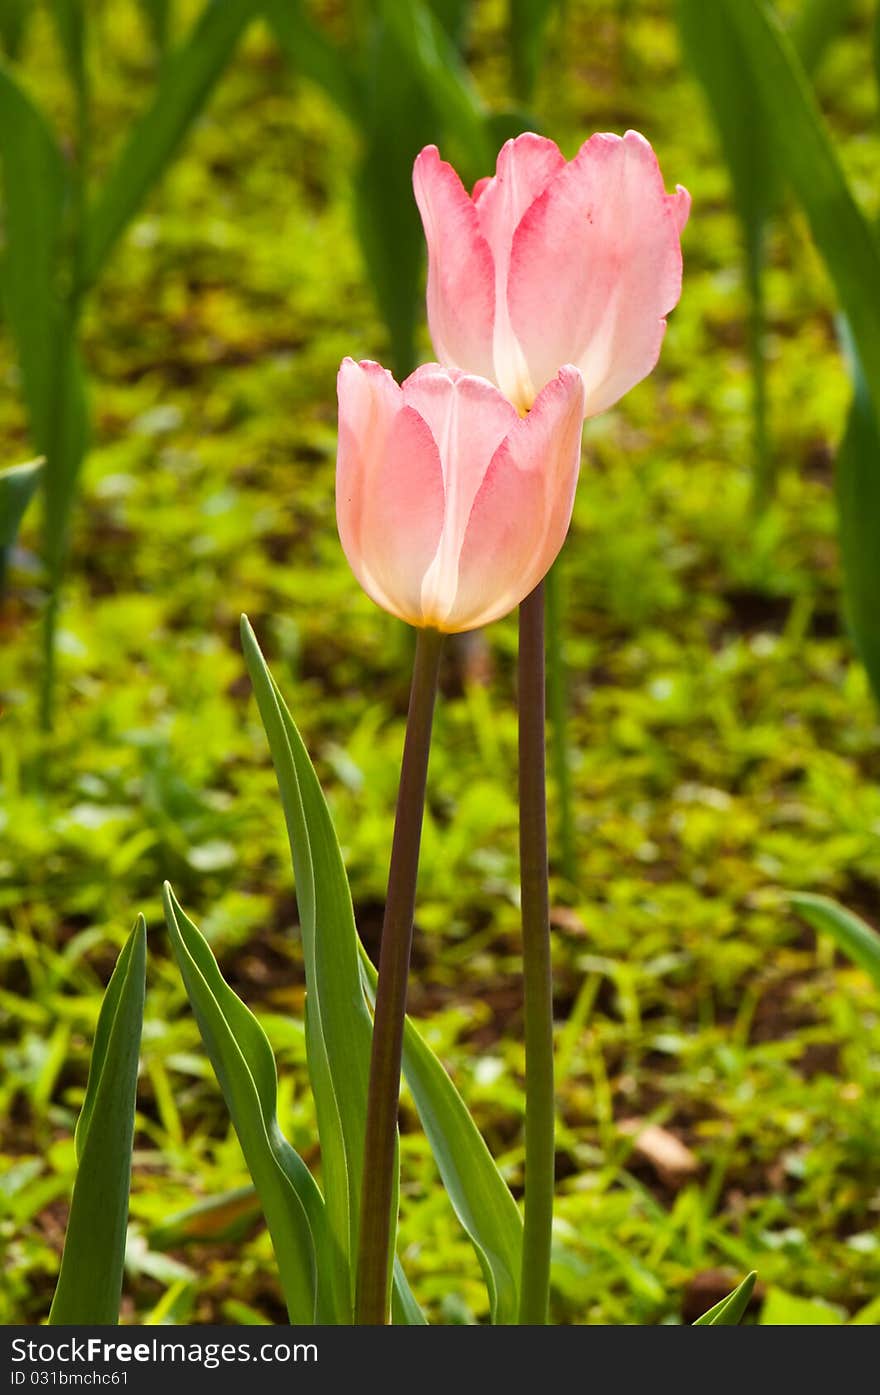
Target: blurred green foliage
column 726, row 745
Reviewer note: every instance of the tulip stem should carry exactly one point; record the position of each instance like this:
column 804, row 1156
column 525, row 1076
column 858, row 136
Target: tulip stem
column 537, row 971
column 378, row 1224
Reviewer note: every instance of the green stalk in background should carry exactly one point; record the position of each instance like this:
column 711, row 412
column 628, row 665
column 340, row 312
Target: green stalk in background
column 377, row 1233
column 537, row 968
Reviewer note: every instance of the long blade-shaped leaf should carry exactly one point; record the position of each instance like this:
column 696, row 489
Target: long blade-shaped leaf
column 857, row 482
column 851, row 249
column 315, row 56
column 851, row 934
column 90, row 1280
column 70, row 26
column 338, row 1026
column 398, row 122
column 245, row 1067
column 809, row 161
column 731, row 1310
column 478, row 1193
column 714, row 51
column 444, row 82
column 14, row 16
column 527, row 23
column 34, row 195
column 186, row 81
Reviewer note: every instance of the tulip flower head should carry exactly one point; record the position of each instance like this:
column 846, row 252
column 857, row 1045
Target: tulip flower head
column 553, row 262
column 451, row 507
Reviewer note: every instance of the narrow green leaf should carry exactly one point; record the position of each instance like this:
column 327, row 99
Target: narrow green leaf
column 245, row 1067
column 315, row 56
column 186, row 81
column 816, row 25
column 527, row 24
column 452, row 15
column 852, row 934
column 34, row 195
column 14, row 16
column 157, row 14
column 809, row 162
column 731, row 1310
column 90, row 1281
column 714, row 50
column 397, row 123
column 17, row 486
column 477, row 1190
column 478, row 1193
column 338, row 1024
column 857, row 485
column 444, row 82
column 70, row 21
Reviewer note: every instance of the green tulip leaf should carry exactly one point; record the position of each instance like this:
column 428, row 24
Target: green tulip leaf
column 245, row 1067
column 851, row 934
column 731, row 1310
column 90, row 1280
column 477, row 1190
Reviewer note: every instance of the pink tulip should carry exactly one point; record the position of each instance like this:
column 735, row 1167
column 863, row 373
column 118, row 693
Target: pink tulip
column 451, row 508
column 553, row 262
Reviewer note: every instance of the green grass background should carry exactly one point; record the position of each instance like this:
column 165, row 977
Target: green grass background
column 725, row 743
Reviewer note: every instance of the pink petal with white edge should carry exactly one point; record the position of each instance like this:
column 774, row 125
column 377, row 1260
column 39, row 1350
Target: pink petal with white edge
column 461, row 276
column 521, row 515
column 389, row 489
column 596, row 267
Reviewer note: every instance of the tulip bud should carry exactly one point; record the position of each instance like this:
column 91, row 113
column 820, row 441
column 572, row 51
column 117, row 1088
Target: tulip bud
column 553, row 262
column 451, row 507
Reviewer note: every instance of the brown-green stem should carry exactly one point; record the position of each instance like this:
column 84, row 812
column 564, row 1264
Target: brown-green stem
column 537, row 972
column 378, row 1223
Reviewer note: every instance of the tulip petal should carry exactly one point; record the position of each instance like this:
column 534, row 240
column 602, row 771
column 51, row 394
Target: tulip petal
column 461, row 277
column 389, row 489
column 596, row 266
column 521, row 515
column 524, row 167
column 469, row 418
